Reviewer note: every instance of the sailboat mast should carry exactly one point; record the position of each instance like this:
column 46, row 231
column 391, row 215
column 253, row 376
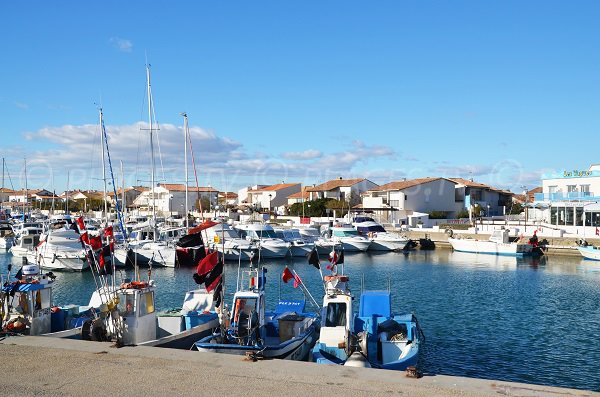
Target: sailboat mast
column 123, row 203
column 105, row 213
column 152, row 187
column 185, row 139
column 2, row 172
column 67, row 201
column 25, row 201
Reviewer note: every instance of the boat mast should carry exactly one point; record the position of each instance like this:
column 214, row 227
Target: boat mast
column 123, row 203
column 25, row 201
column 67, row 202
column 152, row 187
column 185, row 139
column 3, row 173
column 105, row 213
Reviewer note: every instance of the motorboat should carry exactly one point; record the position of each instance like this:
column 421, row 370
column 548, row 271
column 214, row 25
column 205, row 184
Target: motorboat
column 143, row 250
column 498, row 244
column 264, row 237
column 374, row 338
column 298, row 245
column 381, row 240
column 589, row 252
column 225, row 239
column 344, row 235
column 59, row 250
column 7, row 236
column 283, row 334
column 26, row 241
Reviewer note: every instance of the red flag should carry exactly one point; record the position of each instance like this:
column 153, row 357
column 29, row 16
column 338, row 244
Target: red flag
column 108, row 232
column 80, row 224
column 597, row 232
column 287, row 275
column 101, row 261
column 207, row 263
column 213, row 285
column 95, row 242
column 297, row 280
column 85, row 238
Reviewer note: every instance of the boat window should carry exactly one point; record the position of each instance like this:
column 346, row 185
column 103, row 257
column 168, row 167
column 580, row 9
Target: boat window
column 243, row 308
column 266, row 234
column 42, row 299
column 280, row 235
column 336, row 314
column 126, row 304
column 345, row 233
column 146, row 303
column 23, row 302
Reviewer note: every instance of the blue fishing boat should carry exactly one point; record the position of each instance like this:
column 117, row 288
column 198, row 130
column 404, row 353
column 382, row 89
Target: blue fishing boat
column 375, row 338
column 287, row 333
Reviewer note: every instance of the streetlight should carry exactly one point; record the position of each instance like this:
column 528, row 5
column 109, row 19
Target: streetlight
column 270, row 195
column 488, row 211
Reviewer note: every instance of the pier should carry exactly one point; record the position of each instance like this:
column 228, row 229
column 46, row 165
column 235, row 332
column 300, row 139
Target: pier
column 54, row 367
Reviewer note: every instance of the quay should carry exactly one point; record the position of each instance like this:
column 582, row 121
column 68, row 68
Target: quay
column 566, row 246
column 39, row 366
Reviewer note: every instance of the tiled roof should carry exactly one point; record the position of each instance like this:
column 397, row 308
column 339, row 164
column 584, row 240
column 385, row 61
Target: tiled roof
column 180, row 187
column 273, row 188
column 334, row 184
column 400, row 185
column 305, row 195
column 470, row 183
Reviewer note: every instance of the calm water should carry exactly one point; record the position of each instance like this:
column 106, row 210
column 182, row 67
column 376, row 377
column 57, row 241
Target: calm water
column 525, row 320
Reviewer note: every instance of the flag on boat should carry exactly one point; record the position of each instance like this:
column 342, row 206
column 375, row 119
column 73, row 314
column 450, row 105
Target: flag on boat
column 209, row 271
column 313, row 258
column 597, row 232
column 297, row 280
column 287, row 275
column 214, row 277
column 217, row 293
column 80, row 224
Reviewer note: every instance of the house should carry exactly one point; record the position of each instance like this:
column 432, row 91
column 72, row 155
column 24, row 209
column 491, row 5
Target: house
column 406, row 201
column 5, row 194
column 489, row 200
column 272, row 197
column 341, row 189
column 298, row 197
column 32, row 194
column 243, row 193
column 228, row 198
column 130, row 194
column 169, row 198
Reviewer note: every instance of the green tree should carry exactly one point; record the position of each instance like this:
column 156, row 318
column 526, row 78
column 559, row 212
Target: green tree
column 464, row 213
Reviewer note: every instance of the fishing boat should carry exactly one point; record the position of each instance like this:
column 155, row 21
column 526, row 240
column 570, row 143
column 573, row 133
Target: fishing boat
column 127, row 314
column 27, row 239
column 498, row 244
column 589, row 252
column 374, row 338
column 25, row 303
column 251, row 330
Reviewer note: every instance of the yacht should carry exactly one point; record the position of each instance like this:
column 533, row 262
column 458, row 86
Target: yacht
column 269, row 246
column 344, row 235
column 298, row 245
column 142, row 249
column 59, row 250
column 228, row 242
column 381, row 240
column 26, row 241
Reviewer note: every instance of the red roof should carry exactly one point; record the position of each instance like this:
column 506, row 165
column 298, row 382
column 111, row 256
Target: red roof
column 334, row 184
column 180, row 187
column 273, row 188
column 400, row 185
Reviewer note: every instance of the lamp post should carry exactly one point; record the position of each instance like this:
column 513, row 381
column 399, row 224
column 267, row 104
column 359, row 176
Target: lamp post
column 488, row 211
column 270, row 195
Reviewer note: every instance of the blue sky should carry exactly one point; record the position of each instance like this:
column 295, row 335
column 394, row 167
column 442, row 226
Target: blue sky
column 302, row 90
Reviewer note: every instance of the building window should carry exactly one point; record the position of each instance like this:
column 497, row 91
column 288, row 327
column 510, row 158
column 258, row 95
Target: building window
column 585, row 190
column 571, row 188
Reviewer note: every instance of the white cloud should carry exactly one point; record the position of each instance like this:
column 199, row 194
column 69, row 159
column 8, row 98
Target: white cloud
column 305, row 155
column 123, row 45
column 22, row 105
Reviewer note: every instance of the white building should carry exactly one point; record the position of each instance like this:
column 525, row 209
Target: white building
column 169, row 198
column 341, row 189
column 567, row 195
column 396, row 202
column 272, row 197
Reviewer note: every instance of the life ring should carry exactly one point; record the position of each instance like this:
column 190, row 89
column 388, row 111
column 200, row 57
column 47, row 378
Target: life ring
column 449, row 232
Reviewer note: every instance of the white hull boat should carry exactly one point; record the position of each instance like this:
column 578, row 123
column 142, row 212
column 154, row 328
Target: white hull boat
column 590, row 252
column 498, row 244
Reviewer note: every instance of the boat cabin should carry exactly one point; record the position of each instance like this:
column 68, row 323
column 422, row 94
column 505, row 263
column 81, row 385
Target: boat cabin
column 336, row 316
column 500, row 236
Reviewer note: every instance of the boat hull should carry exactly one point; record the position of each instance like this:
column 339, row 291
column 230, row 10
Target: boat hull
column 490, row 247
column 387, row 245
column 296, row 348
column 590, row 252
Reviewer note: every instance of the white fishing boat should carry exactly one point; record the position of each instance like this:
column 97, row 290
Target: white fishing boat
column 59, row 250
column 498, row 244
column 381, row 240
column 26, row 241
column 264, row 237
column 589, row 252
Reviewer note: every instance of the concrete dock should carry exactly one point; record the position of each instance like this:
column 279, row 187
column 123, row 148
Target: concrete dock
column 40, row 366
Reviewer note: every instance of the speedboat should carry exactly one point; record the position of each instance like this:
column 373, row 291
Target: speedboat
column 143, row 250
column 59, row 250
column 589, row 252
column 282, row 334
column 26, row 241
column 372, row 339
column 225, row 239
column 298, row 245
column 344, row 235
column 380, row 239
column 263, row 235
column 498, row 244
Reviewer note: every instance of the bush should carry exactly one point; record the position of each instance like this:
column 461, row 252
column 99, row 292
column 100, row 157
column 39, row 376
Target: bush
column 462, row 214
column 438, row 215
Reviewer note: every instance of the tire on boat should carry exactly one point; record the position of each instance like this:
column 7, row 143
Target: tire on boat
column 449, row 232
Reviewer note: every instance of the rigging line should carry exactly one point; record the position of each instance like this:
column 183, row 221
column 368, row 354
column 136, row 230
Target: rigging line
column 189, row 137
column 162, row 168
column 9, row 178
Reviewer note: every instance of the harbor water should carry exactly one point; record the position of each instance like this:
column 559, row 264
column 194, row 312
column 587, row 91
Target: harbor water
column 531, row 320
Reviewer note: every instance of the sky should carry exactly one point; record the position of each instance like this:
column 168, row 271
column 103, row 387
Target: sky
column 299, row 91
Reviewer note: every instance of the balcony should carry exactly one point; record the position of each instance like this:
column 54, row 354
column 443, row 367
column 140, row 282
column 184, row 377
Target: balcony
column 570, row 196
